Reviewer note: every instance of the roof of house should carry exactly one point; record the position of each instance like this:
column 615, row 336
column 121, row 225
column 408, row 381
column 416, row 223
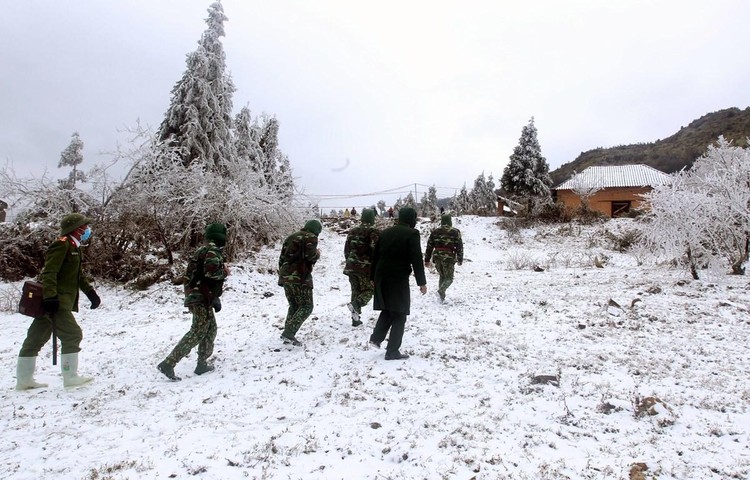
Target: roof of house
column 616, row 176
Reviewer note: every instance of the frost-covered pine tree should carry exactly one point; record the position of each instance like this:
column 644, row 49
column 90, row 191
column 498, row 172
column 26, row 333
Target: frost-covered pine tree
column 72, row 156
column 269, row 144
column 284, row 186
column 198, row 122
column 463, row 202
column 429, row 202
column 527, row 174
column 482, row 198
column 410, row 201
column 488, row 198
column 399, row 204
column 247, row 143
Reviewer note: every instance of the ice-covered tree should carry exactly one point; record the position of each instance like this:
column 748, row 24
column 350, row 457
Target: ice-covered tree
column 247, row 143
column 72, row 156
column 197, row 124
column 410, row 201
column 381, row 207
column 462, row 203
column 284, row 185
column 584, row 188
column 257, row 145
column 429, row 202
column 704, row 214
column 527, row 174
column 483, row 198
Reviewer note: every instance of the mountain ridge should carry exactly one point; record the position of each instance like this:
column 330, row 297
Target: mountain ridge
column 670, row 154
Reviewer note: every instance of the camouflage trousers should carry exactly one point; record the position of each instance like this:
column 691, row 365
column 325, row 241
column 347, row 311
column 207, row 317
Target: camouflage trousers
column 445, row 266
column 300, row 298
column 202, row 333
column 362, row 290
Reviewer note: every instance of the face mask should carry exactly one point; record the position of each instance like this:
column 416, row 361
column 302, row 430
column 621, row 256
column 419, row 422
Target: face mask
column 86, row 234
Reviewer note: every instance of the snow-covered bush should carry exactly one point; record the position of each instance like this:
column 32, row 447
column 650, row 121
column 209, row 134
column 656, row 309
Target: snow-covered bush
column 704, row 214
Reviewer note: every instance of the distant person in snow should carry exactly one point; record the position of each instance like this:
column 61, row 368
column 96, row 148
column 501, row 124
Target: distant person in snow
column 298, row 256
column 354, row 212
column 397, row 253
column 204, row 283
column 390, row 212
column 358, row 251
column 446, row 248
column 346, row 213
column 61, row 279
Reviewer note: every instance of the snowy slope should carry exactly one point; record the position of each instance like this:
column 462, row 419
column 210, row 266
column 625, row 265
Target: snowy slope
column 465, row 405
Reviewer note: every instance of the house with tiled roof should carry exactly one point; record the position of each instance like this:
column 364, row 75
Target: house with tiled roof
column 612, row 190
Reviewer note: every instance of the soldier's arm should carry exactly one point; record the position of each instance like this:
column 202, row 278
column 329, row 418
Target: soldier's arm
column 347, row 246
column 429, row 248
column 415, row 258
column 311, row 250
column 459, row 248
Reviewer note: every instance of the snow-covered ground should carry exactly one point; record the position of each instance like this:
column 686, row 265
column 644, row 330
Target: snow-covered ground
column 469, row 404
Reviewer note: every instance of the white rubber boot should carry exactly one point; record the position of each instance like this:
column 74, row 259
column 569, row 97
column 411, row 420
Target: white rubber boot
column 69, row 366
column 25, row 374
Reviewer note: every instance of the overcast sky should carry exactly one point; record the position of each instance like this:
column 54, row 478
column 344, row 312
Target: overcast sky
column 376, row 95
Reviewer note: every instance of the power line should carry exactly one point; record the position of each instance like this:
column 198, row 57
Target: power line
column 404, row 189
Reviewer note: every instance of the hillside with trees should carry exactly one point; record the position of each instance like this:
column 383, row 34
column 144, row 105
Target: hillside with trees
column 672, row 153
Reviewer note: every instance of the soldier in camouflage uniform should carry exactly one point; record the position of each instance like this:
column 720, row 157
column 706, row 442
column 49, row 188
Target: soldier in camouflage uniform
column 446, row 248
column 358, row 251
column 298, row 256
column 204, row 283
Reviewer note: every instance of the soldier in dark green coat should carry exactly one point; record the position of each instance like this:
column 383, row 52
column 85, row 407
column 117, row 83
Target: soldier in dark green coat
column 358, row 251
column 446, row 248
column 397, row 253
column 298, row 256
column 61, row 279
column 204, row 283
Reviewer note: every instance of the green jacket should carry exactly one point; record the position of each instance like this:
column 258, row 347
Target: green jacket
column 204, row 278
column 359, row 248
column 446, row 242
column 298, row 256
column 61, row 276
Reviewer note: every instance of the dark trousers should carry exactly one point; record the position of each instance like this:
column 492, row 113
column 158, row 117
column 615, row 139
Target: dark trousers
column 393, row 321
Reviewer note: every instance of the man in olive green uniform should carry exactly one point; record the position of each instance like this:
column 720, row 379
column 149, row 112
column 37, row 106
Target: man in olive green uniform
column 448, row 247
column 298, row 256
column 61, row 279
column 397, row 253
column 358, row 251
column 204, row 283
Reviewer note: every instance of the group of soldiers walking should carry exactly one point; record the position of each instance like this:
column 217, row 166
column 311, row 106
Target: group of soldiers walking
column 377, row 262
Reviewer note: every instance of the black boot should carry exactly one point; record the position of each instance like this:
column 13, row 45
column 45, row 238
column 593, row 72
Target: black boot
column 168, row 370
column 203, row 367
column 291, row 339
column 396, row 356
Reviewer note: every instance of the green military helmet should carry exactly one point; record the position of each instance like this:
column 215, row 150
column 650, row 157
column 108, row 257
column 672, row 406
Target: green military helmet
column 313, row 226
column 72, row 221
column 368, row 216
column 217, row 233
column 445, row 219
